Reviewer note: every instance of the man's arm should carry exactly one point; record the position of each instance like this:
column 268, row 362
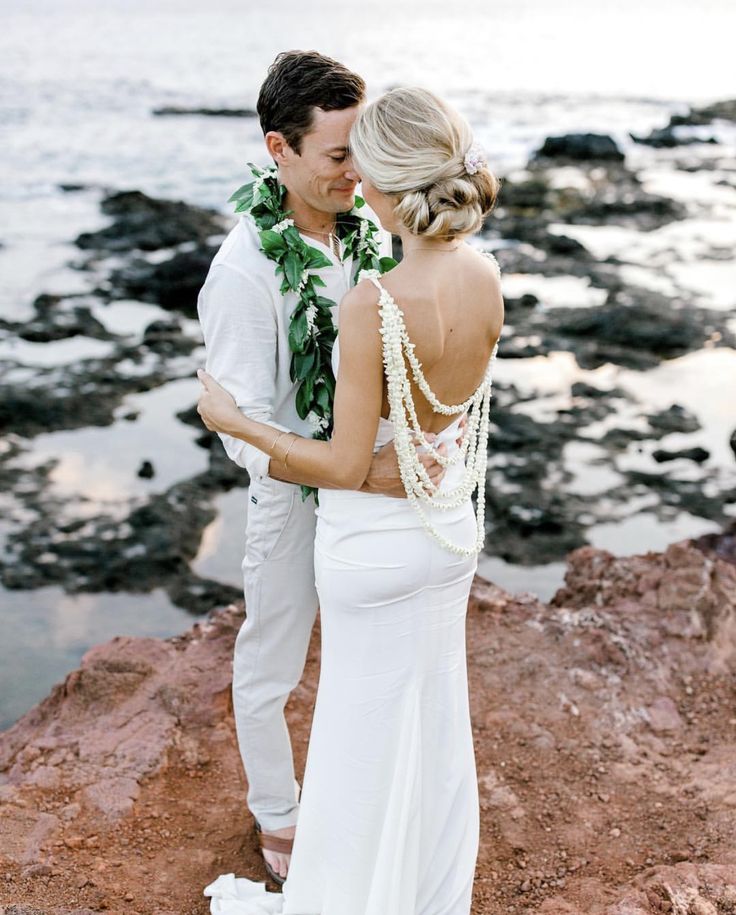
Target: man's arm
column 345, row 459
column 240, row 335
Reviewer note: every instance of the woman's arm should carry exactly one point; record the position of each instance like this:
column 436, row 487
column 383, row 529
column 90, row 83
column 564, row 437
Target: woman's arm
column 344, row 461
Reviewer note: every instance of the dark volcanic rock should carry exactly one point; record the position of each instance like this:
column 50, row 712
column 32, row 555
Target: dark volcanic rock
column 724, row 110
column 167, row 338
column 583, row 389
column 173, row 110
column 533, row 529
column 639, row 327
column 146, row 471
column 58, row 318
column 666, row 138
column 697, row 454
column 33, row 410
column 635, row 327
column 85, row 393
column 529, row 522
column 679, row 494
column 524, row 197
column 173, row 284
column 613, row 195
column 150, row 547
column 148, row 224
column 674, row 419
column 647, row 211
column 581, row 147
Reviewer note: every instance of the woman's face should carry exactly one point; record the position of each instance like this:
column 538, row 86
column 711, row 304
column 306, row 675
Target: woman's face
column 381, row 204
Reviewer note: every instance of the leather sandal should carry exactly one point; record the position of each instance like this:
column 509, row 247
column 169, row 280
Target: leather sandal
column 273, row 843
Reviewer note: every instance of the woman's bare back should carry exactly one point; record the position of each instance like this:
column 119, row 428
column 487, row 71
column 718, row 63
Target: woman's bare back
column 453, row 312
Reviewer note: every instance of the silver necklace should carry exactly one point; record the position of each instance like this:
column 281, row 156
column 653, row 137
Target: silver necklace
column 333, row 242
column 436, row 250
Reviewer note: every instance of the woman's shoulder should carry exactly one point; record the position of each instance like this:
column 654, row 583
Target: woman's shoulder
column 359, row 307
column 495, row 266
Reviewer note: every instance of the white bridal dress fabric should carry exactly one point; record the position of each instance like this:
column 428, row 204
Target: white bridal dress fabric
column 389, row 817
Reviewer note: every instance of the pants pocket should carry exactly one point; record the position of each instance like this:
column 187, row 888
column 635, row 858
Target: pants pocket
column 269, row 508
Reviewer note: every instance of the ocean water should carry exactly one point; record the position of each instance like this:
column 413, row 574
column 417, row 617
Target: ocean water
column 78, row 83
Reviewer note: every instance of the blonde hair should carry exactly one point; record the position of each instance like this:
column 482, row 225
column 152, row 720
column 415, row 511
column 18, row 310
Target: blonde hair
column 412, row 145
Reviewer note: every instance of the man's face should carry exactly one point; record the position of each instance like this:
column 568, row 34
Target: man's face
column 322, row 175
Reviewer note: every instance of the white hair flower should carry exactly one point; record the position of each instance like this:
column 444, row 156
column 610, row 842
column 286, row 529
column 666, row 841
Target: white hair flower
column 475, row 159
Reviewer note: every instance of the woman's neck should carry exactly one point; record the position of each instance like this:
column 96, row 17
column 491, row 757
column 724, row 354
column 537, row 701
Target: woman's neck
column 417, row 244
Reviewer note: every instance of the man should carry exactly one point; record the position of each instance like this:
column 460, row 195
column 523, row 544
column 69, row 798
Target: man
column 307, row 105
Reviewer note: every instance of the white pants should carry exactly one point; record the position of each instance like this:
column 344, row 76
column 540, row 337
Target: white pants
column 271, row 647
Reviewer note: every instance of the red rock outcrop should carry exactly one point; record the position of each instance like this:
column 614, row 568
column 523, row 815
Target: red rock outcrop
column 605, row 726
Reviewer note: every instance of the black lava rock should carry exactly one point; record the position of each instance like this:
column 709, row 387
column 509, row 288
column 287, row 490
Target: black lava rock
column 661, row 455
column 665, row 138
column 173, row 284
column 581, row 147
column 148, row 224
column 173, row 110
column 146, row 471
column 674, row 419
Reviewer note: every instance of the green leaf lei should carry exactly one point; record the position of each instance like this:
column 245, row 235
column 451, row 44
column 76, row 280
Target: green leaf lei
column 312, row 331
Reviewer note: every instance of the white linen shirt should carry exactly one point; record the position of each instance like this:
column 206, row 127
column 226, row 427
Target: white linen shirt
column 245, row 324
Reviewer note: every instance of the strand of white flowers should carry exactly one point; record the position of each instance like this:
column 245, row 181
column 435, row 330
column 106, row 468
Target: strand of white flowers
column 395, row 319
column 411, row 470
column 461, row 451
column 449, row 498
column 400, row 396
column 479, row 482
column 476, row 398
column 416, row 474
column 439, row 407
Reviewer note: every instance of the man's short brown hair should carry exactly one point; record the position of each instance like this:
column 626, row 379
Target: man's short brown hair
column 297, row 83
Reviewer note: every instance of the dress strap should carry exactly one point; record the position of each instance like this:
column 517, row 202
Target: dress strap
column 492, row 259
column 371, row 275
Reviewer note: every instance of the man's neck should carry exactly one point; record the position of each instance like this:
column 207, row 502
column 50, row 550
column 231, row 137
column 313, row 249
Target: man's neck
column 308, row 218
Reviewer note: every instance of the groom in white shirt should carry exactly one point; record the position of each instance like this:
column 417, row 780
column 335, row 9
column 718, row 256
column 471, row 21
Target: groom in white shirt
column 307, row 105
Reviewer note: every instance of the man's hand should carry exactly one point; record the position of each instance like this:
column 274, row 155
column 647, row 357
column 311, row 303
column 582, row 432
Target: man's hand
column 383, row 476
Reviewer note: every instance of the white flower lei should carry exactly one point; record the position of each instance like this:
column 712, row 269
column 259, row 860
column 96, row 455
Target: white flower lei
column 398, row 350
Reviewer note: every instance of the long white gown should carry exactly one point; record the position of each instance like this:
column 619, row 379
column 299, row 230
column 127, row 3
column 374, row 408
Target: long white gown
column 389, row 815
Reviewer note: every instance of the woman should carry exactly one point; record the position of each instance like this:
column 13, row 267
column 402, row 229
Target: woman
column 388, row 823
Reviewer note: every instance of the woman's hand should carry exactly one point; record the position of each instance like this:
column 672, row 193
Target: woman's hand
column 216, row 407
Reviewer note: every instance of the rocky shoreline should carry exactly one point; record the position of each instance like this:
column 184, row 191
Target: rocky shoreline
column 605, row 743
column 155, row 253
column 111, row 484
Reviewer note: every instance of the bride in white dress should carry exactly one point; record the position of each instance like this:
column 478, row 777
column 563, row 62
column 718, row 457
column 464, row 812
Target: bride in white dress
column 389, row 817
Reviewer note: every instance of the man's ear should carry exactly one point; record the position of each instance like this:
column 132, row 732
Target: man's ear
column 278, row 148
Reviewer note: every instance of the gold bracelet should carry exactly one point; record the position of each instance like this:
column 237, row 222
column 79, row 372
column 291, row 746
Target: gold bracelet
column 289, row 449
column 275, row 442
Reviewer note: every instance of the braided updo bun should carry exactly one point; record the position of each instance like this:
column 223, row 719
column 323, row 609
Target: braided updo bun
column 413, row 146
